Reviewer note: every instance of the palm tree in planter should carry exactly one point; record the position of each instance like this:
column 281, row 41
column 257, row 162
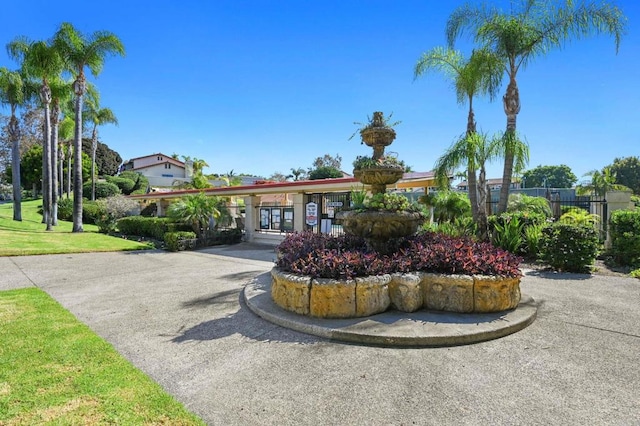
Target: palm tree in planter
column 12, row 93
column 79, row 51
column 481, row 74
column 523, row 34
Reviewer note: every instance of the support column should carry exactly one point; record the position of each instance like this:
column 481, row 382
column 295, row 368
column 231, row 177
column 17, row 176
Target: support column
column 251, row 216
column 298, row 212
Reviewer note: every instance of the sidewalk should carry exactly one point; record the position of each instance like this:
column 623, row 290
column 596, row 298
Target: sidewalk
column 180, row 318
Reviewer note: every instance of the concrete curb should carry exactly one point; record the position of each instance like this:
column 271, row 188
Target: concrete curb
column 393, row 328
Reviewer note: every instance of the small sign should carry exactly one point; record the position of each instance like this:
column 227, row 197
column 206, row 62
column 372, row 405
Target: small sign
column 334, row 204
column 311, row 214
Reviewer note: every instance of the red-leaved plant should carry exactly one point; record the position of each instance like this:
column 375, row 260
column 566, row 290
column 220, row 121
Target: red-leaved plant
column 346, row 257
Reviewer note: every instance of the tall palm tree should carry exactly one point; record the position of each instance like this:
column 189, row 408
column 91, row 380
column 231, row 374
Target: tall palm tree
column 40, row 60
column 65, row 136
column 12, row 93
column 529, row 30
column 98, row 117
column 80, row 51
column 61, row 92
column 481, row 74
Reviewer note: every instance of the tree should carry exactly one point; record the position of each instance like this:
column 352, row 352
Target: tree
column 279, row 177
column 479, row 75
column 549, row 177
column 298, row 174
column 325, row 167
column 79, row 51
column 196, row 210
column 42, row 61
column 327, row 161
column 98, row 117
column 601, row 182
column 324, row 172
column 522, row 35
column 447, row 205
column 12, row 93
column 627, row 172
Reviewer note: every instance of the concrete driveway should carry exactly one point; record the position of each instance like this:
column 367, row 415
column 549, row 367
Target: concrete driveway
column 180, row 318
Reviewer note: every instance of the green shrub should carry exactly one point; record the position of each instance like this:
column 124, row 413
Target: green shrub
column 532, row 237
column 225, row 236
column 152, row 227
column 635, row 273
column 568, row 247
column 103, row 190
column 92, row 211
column 65, row 209
column 624, row 229
column 177, row 241
column 507, row 234
column 525, row 203
column 126, row 185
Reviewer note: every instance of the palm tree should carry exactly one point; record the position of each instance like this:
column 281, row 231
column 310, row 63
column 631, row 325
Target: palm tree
column 65, row 135
column 98, row 116
column 78, row 52
column 196, row 210
column 60, row 94
column 601, row 182
column 522, row 35
column 479, row 75
column 473, row 151
column 42, row 61
column 12, row 93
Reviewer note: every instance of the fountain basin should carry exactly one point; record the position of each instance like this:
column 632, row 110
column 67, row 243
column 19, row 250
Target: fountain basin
column 365, row 296
column 380, row 225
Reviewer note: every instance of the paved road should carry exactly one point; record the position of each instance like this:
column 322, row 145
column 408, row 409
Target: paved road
column 179, row 317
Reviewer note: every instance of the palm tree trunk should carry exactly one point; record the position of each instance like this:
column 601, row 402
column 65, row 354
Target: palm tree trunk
column 79, row 88
column 14, row 134
column 69, row 162
column 511, row 104
column 55, row 118
column 94, row 147
column 471, row 170
column 483, row 229
column 45, row 96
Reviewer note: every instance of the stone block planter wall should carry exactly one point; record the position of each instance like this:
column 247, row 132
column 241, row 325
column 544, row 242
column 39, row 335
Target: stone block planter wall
column 327, row 298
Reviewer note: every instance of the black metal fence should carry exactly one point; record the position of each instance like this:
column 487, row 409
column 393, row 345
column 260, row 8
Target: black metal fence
column 326, row 206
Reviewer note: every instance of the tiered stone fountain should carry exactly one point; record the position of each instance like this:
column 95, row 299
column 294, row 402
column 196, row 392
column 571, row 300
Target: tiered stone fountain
column 407, row 292
column 379, row 228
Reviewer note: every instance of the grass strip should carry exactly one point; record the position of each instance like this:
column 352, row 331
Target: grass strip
column 55, row 370
column 29, row 237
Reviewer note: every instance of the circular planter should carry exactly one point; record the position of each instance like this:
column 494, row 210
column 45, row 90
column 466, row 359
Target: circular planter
column 380, row 225
column 378, row 175
column 365, row 296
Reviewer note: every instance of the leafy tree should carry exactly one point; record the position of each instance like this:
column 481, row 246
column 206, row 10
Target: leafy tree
column 141, row 183
column 108, row 161
column 627, row 172
column 521, row 35
column 279, row 177
column 327, row 161
column 79, row 51
column 12, row 93
column 324, row 172
column 549, row 177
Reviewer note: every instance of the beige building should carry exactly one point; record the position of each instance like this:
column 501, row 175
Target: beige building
column 161, row 170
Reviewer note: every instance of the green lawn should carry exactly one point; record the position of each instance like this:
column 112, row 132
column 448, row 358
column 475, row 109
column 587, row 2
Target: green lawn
column 29, row 236
column 55, row 370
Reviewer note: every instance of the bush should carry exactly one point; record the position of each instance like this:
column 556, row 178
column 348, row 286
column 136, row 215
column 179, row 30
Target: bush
column 525, row 203
column 125, row 185
column 115, row 207
column 224, row 236
column 508, row 233
column 177, row 241
column 92, row 211
column 103, row 190
column 624, row 229
column 324, row 256
column 65, row 209
column 569, row 248
column 151, row 227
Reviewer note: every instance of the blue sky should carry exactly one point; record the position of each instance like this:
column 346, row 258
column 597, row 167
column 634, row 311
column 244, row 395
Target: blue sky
column 265, row 86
